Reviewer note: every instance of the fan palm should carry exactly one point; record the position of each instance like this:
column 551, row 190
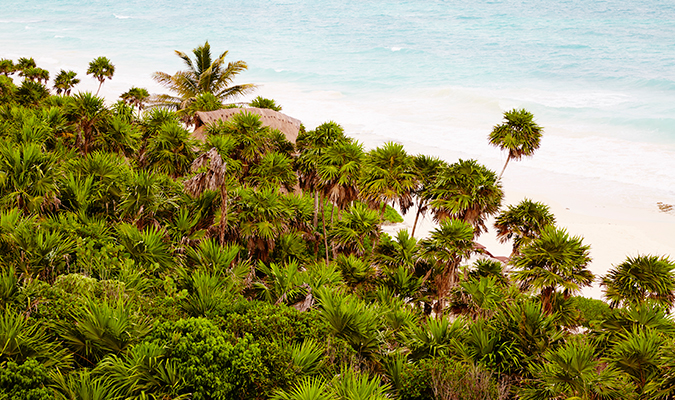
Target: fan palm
column 574, row 371
column 523, row 222
column 88, row 114
column 553, row 261
column 311, row 146
column 467, row 191
column 136, row 97
column 387, row 177
column 7, row 67
column 28, row 176
column 447, row 246
column 171, row 151
column 64, row 82
column 101, row 69
column 203, row 75
column 426, row 170
column 519, row 135
column 639, row 279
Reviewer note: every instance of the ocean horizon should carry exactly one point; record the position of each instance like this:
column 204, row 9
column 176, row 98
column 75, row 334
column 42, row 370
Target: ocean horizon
column 598, row 76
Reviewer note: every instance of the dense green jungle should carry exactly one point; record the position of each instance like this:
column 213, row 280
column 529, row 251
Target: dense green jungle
column 139, row 262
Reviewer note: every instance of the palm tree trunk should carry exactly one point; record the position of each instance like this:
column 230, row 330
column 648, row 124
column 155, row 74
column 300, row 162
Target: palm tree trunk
column 316, row 209
column 223, row 216
column 417, row 215
column 504, row 169
column 325, row 236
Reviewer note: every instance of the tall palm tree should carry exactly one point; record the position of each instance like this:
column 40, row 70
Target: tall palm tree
column 553, row 261
column 426, row 170
column 468, row 191
column 387, row 177
column 311, row 147
column 639, row 279
column 523, row 222
column 136, row 97
column 203, row 75
column 519, row 135
column 101, row 69
column 64, row 82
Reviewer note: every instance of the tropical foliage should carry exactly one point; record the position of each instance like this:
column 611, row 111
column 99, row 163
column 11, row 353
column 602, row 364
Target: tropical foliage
column 139, row 262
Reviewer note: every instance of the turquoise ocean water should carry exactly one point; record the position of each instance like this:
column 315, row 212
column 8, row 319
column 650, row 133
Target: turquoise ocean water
column 598, row 75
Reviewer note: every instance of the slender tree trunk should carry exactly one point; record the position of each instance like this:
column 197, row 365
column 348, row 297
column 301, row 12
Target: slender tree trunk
column 507, row 163
column 223, row 217
column 325, row 236
column 99, row 87
column 417, row 215
column 316, row 209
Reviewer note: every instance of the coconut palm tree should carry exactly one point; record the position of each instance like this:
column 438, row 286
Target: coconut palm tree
column 523, row 222
column 101, row 69
column 64, row 82
column 553, row 261
column 468, row 191
column 640, row 279
column 203, row 75
column 519, row 135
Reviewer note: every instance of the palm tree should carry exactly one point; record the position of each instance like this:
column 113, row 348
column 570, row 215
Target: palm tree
column 7, row 67
column 203, row 75
column 88, row 113
column 447, row 246
column 640, row 279
column 519, row 135
column 136, row 97
column 171, row 151
column 553, row 261
column 214, row 178
column 387, row 177
column 357, row 227
column 338, row 171
column 64, row 82
column 274, row 171
column 574, row 371
column 523, row 222
column 28, row 177
column 311, row 146
column 101, row 68
column 426, row 170
column 468, row 191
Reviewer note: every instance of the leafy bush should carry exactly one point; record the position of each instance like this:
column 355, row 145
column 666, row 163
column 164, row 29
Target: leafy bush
column 24, row 381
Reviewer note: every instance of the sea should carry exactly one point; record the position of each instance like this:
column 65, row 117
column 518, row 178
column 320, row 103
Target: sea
column 598, row 75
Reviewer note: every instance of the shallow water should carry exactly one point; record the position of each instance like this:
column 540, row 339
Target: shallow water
column 598, row 75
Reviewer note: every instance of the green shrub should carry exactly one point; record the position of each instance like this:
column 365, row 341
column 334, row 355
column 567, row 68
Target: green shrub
column 24, row 381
